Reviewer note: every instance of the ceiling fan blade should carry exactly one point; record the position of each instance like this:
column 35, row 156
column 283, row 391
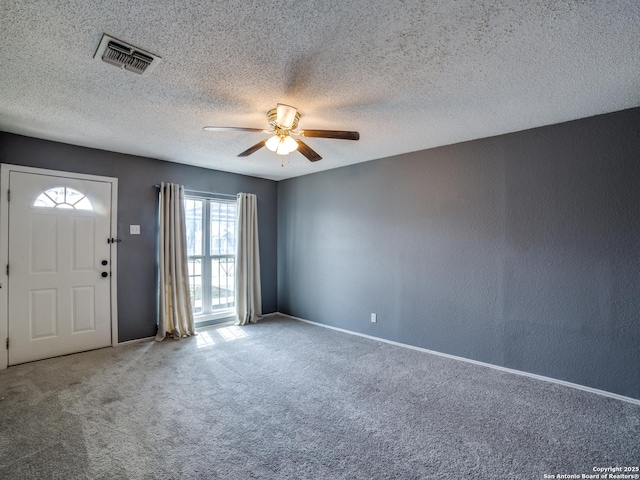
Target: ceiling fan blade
column 233, row 129
column 330, row 134
column 307, row 151
column 285, row 115
column 253, row 149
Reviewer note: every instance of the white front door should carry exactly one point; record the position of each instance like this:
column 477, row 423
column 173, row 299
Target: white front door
column 59, row 298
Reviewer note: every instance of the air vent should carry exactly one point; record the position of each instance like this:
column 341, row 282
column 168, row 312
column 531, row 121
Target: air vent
column 125, row 56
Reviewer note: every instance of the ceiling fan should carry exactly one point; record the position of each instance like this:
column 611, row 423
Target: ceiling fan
column 283, row 121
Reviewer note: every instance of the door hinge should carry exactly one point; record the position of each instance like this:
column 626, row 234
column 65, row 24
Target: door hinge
column 7, row 269
column 8, row 195
column 7, row 343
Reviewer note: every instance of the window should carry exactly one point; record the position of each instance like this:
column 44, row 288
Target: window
column 63, row 197
column 211, row 245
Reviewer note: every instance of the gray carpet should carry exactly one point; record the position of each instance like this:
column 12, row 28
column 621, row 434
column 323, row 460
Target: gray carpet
column 284, row 399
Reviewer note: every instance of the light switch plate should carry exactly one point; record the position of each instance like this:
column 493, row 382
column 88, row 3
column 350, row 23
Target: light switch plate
column 134, row 229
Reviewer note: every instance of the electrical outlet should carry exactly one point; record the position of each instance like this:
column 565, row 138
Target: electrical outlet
column 134, row 229
column 374, row 318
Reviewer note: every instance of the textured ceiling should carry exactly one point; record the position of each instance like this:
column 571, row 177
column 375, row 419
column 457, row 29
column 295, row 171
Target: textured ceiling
column 408, row 75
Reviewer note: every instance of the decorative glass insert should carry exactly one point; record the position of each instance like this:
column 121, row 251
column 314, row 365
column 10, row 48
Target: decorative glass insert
column 63, row 197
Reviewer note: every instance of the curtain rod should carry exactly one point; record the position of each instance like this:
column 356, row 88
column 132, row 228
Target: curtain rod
column 157, row 185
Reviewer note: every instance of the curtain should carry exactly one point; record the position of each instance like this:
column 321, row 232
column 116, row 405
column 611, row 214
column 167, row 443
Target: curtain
column 175, row 316
column 248, row 291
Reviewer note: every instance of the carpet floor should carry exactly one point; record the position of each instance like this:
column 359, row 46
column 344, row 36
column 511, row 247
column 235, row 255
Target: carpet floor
column 285, row 399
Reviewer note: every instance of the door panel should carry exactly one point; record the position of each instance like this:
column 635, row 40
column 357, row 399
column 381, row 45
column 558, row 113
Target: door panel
column 83, row 243
column 59, row 302
column 42, row 309
column 44, row 243
column 84, row 318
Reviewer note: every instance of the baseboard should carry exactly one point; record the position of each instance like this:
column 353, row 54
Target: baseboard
column 577, row 386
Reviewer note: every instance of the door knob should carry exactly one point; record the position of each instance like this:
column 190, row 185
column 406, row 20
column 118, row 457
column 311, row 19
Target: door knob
column 104, row 274
column 104, row 262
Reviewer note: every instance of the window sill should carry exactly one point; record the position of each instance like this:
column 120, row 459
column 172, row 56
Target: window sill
column 211, row 318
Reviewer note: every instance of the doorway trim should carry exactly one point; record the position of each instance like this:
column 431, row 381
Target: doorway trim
column 4, row 248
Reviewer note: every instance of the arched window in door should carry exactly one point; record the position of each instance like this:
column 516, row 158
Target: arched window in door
column 63, row 197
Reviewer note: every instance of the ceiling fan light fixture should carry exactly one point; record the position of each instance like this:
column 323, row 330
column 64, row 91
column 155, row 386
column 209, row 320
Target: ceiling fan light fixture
column 290, row 143
column 282, row 144
column 282, row 149
column 272, row 143
column 285, row 115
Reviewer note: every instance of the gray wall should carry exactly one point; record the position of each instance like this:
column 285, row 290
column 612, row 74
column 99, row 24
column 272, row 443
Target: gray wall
column 137, row 204
column 521, row 250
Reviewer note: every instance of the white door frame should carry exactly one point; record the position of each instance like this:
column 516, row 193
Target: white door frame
column 4, row 248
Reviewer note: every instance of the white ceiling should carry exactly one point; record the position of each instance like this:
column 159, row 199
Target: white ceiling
column 408, row 75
